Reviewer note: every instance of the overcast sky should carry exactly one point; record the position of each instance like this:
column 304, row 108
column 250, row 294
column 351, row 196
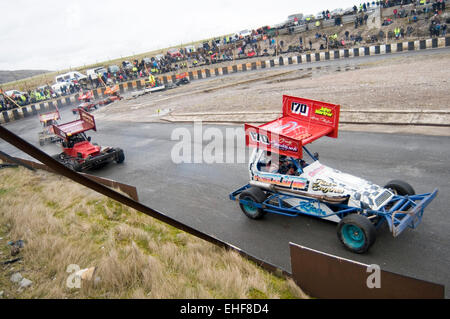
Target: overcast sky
column 55, row 35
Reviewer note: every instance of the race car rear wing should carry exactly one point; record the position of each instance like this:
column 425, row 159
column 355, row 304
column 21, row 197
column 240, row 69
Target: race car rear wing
column 86, row 96
column 181, row 75
column 111, row 90
column 52, row 115
column 85, row 123
column 303, row 122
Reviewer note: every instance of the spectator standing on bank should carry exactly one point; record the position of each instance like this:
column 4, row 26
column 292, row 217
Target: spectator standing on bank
column 437, row 29
column 409, row 31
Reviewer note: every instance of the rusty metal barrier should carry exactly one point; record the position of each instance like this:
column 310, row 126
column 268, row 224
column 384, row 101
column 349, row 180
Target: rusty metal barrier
column 84, row 180
column 326, row 276
column 13, row 160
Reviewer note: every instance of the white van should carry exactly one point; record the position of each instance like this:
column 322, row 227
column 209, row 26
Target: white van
column 70, row 76
column 57, row 88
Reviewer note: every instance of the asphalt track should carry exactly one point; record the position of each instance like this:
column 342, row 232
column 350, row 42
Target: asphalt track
column 197, row 194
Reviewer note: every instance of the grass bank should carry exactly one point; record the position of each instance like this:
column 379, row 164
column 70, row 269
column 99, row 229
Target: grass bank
column 63, row 223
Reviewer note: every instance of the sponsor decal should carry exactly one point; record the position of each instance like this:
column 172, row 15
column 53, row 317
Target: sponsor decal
column 296, row 183
column 256, row 137
column 320, row 185
column 324, row 111
column 322, row 119
column 274, row 179
column 286, row 144
column 283, row 144
column 300, row 185
column 283, row 181
column 284, row 147
column 307, row 207
column 299, row 108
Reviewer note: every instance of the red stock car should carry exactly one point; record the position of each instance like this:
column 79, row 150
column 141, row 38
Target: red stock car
column 78, row 152
column 47, row 120
column 86, row 105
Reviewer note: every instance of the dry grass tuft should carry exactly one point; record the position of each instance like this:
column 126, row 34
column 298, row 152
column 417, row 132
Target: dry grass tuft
column 63, row 223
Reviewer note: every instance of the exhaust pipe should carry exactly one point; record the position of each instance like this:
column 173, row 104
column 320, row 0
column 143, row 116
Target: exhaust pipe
column 274, row 188
column 263, row 185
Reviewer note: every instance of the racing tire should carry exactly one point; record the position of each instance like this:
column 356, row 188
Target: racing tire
column 120, row 156
column 253, row 195
column 74, row 165
column 400, row 188
column 57, row 157
column 356, row 233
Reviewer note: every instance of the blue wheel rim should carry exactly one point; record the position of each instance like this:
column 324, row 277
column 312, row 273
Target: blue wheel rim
column 353, row 236
column 249, row 208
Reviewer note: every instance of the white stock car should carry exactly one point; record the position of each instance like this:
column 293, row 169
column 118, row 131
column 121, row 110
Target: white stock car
column 282, row 182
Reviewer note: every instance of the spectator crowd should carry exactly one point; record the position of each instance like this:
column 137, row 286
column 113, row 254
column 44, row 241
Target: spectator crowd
column 259, row 42
column 35, row 96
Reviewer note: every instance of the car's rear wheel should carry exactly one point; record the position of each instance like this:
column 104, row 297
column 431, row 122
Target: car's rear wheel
column 399, row 187
column 57, row 157
column 252, row 196
column 356, row 233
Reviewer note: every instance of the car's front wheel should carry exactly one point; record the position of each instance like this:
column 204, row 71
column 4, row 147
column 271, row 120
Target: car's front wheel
column 399, row 187
column 357, row 233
